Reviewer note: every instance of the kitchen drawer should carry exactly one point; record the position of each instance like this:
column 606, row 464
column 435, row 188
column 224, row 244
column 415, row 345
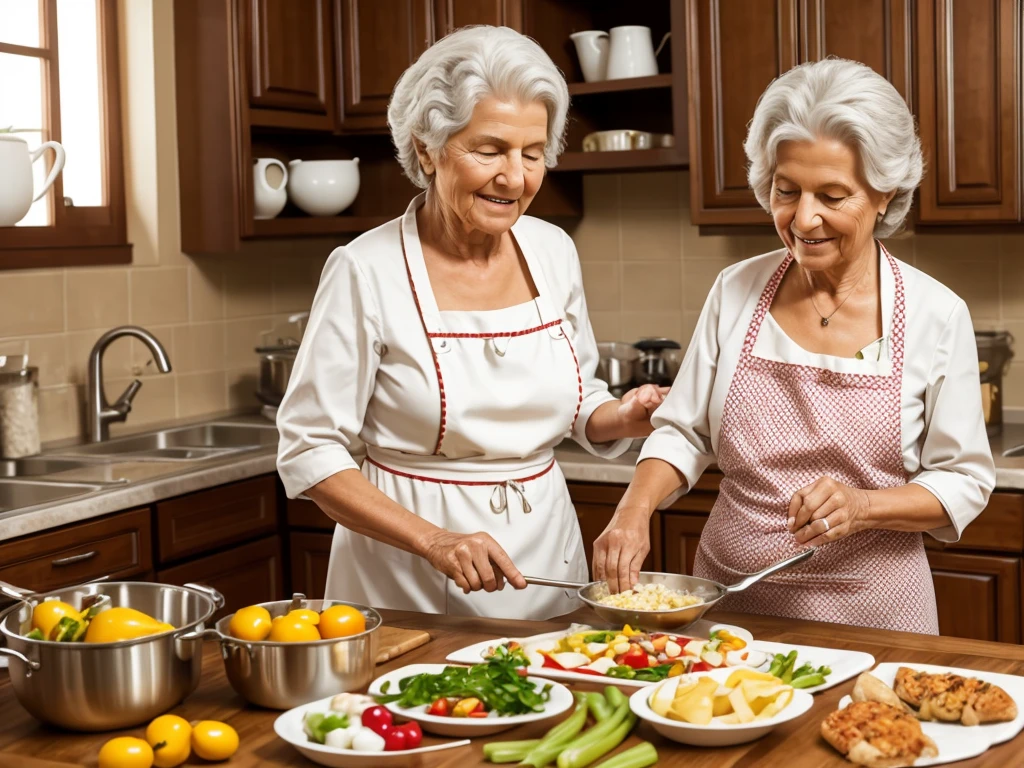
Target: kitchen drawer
column 999, row 528
column 303, row 513
column 118, row 546
column 200, row 522
column 245, row 575
column 310, row 556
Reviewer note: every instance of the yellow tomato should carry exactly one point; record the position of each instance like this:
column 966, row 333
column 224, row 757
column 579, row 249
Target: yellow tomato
column 214, row 741
column 341, row 621
column 292, row 630
column 306, row 615
column 126, row 752
column 46, row 615
column 170, row 737
column 252, row 623
column 116, row 624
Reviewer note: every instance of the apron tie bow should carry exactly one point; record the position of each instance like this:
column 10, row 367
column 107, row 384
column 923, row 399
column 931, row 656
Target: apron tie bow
column 499, row 497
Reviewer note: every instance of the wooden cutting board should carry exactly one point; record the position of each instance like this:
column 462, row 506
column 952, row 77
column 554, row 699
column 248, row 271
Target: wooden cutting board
column 394, row 642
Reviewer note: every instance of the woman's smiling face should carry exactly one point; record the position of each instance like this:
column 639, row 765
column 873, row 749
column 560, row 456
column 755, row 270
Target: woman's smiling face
column 824, row 210
column 491, row 170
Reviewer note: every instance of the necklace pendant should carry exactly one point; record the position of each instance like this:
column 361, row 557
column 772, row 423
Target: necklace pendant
column 824, row 322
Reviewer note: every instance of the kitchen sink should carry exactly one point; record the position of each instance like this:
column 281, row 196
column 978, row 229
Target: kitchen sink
column 202, row 441
column 1014, row 453
column 35, row 466
column 21, row 494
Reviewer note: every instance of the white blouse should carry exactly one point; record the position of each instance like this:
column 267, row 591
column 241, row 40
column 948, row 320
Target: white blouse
column 945, row 447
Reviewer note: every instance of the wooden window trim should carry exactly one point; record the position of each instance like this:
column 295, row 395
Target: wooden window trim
column 88, row 235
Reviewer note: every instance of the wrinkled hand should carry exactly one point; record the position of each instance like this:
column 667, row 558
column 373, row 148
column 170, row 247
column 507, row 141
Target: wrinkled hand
column 474, row 561
column 620, row 550
column 637, row 405
column 823, row 500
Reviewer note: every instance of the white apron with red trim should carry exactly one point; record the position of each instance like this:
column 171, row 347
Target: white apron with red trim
column 507, row 377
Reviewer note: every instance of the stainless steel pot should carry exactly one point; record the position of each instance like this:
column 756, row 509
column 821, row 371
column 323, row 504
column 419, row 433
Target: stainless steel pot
column 615, row 365
column 108, row 686
column 658, row 361
column 275, row 370
column 286, row 675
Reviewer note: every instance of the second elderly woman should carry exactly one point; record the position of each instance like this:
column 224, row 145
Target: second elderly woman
column 454, row 344
column 837, row 386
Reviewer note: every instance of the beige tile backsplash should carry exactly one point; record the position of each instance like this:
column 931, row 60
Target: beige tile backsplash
column 638, row 248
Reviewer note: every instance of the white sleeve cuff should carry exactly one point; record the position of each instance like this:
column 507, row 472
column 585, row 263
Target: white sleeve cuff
column 301, row 472
column 667, row 444
column 949, row 488
column 610, row 450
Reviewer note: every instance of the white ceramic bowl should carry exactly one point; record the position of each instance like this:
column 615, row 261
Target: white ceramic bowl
column 715, row 735
column 289, row 727
column 469, row 727
column 323, row 187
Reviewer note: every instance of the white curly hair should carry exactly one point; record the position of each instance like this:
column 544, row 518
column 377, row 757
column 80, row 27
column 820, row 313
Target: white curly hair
column 850, row 102
column 435, row 97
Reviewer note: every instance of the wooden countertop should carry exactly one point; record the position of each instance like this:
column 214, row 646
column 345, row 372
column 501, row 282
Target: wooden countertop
column 24, row 743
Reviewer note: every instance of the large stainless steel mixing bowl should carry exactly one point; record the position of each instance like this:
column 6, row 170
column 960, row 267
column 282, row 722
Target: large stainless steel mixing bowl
column 286, row 675
column 108, row 686
column 709, row 591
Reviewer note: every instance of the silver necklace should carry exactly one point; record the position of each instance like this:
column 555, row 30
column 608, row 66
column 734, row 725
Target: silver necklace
column 826, row 318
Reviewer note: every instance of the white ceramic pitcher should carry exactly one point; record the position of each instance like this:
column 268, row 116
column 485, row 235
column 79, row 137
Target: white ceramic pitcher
column 269, row 187
column 592, row 51
column 16, row 171
column 632, row 54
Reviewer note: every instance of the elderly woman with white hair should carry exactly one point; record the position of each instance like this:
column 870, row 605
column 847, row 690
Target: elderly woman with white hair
column 454, row 344
column 837, row 386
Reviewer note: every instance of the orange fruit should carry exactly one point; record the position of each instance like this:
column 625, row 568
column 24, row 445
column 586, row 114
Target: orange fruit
column 306, row 615
column 251, row 623
column 292, row 630
column 341, row 621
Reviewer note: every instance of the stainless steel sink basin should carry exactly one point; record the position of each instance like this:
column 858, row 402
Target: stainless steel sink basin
column 202, row 441
column 22, row 494
column 1014, row 453
column 35, row 466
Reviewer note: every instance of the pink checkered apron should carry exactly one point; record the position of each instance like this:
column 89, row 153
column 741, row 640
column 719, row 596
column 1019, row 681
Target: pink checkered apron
column 783, row 427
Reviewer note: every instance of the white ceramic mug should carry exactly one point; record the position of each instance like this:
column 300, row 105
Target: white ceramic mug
column 16, row 171
column 592, row 51
column 323, row 187
column 632, row 54
column 269, row 187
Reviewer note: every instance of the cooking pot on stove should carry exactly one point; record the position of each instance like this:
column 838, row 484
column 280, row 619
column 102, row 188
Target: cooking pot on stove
column 277, row 357
column 658, row 361
column 615, row 365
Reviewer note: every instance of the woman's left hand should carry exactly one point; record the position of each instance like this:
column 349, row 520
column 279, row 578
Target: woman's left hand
column 636, row 407
column 826, row 510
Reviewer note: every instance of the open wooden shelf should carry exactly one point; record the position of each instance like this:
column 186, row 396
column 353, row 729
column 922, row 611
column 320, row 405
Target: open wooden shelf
column 313, row 226
column 626, row 160
column 624, row 84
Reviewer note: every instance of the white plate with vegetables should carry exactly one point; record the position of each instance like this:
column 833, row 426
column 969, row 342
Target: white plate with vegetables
column 470, row 701
column 319, row 729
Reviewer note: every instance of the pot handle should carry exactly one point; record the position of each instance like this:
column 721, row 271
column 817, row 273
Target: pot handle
column 5, row 651
column 201, row 634
column 213, row 594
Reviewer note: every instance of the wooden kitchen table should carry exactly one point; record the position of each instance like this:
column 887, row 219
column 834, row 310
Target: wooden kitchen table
column 24, row 743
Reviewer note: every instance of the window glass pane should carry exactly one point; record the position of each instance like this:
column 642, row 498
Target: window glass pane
column 21, row 106
column 80, row 126
column 19, row 22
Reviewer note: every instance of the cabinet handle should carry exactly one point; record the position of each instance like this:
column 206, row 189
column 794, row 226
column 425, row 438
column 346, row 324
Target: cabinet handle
column 71, row 560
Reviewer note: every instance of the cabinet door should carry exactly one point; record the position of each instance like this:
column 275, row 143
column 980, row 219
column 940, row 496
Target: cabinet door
column 978, row 595
column 245, row 575
column 379, row 39
column 310, row 555
column 449, row 15
column 969, row 105
column 735, row 50
column 873, row 32
column 681, row 536
column 292, row 61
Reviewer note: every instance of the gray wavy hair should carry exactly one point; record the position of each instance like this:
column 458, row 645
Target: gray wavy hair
column 847, row 101
column 434, row 98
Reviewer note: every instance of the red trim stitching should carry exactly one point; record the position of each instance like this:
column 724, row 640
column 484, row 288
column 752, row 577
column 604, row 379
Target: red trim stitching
column 501, row 334
column 433, row 352
column 408, row 476
column 579, row 379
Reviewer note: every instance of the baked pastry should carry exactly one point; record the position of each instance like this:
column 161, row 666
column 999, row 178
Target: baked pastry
column 877, row 735
column 870, row 688
column 952, row 698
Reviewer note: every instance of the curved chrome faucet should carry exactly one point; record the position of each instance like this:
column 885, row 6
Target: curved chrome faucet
column 100, row 413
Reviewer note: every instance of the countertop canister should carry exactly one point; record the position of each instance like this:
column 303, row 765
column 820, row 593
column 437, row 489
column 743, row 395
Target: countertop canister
column 19, row 412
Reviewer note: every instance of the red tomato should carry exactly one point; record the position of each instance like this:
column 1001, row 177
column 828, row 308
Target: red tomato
column 413, row 735
column 395, row 740
column 439, row 708
column 701, row 666
column 551, row 663
column 378, row 720
column 636, row 657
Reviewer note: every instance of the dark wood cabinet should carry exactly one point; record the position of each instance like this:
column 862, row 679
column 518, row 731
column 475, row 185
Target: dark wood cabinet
column 969, row 110
column 681, row 534
column 595, row 504
column 303, row 513
column 979, row 596
column 291, row 62
column 251, row 573
column 449, row 15
column 310, row 554
column 378, row 41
